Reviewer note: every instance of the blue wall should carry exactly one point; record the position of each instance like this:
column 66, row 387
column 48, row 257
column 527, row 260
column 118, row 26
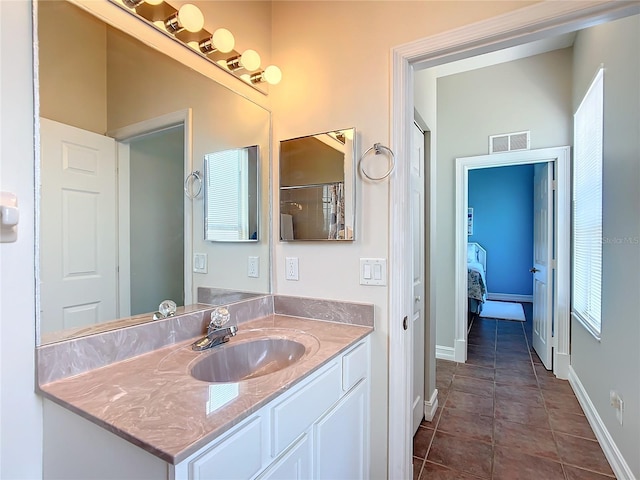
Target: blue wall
column 502, row 202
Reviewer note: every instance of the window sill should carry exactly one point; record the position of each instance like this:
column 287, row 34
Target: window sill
column 588, row 327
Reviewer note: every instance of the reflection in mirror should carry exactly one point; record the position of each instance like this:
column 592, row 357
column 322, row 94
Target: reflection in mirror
column 317, row 187
column 120, row 125
column 231, row 195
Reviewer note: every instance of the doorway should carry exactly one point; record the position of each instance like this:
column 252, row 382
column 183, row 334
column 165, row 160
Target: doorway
column 555, row 247
column 519, row 27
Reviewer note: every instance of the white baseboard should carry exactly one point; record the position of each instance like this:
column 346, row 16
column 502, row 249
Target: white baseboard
column 460, row 351
column 431, row 405
column 445, row 353
column 611, row 451
column 510, row 297
column 562, row 362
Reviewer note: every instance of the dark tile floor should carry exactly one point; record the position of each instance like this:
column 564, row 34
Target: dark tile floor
column 503, row 416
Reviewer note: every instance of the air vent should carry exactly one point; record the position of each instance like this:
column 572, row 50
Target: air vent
column 509, row 142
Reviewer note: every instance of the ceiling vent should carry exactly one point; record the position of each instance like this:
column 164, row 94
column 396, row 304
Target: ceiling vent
column 509, row 142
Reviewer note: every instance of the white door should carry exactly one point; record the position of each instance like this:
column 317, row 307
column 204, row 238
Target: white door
column 542, row 262
column 78, row 237
column 418, row 222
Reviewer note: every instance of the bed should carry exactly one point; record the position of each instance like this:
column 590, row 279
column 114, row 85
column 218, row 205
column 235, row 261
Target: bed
column 476, row 277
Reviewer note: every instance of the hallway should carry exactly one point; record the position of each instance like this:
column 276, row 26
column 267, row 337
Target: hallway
column 503, row 416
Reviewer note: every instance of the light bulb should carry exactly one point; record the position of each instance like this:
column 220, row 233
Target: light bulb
column 223, row 40
column 272, row 75
column 154, row 2
column 246, row 77
column 250, row 60
column 188, row 18
column 191, row 18
column 348, row 134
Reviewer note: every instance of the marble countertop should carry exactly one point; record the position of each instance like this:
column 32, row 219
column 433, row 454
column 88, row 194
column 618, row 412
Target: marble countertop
column 152, row 401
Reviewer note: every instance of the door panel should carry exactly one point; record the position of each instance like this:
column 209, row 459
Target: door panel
column 78, row 227
column 418, row 327
column 542, row 262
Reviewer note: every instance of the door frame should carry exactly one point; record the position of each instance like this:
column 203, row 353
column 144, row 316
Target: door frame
column 123, row 137
column 514, row 28
column 561, row 157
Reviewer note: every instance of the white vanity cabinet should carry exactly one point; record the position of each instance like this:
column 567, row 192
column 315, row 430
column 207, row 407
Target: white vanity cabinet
column 317, row 429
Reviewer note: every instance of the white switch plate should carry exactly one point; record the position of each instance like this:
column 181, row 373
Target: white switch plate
column 291, row 268
column 200, row 263
column 373, row 271
column 253, row 267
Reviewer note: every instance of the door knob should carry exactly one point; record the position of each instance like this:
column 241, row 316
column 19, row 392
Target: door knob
column 534, row 270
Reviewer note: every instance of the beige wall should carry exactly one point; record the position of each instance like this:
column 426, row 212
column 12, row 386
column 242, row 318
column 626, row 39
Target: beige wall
column 614, row 362
column 73, row 65
column 332, row 81
column 20, row 407
column 532, row 94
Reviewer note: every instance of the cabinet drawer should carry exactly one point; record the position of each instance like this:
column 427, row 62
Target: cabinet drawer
column 354, row 366
column 237, row 456
column 296, row 413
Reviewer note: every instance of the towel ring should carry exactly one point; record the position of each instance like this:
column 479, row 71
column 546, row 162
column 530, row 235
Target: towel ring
column 378, row 148
column 193, row 176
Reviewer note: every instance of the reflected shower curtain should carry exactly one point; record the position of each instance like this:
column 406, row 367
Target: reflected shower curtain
column 336, row 211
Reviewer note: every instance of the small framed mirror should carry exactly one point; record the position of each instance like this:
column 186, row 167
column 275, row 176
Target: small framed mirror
column 317, row 187
column 231, row 192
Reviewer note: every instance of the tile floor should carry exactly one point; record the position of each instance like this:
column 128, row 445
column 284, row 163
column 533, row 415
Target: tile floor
column 503, row 416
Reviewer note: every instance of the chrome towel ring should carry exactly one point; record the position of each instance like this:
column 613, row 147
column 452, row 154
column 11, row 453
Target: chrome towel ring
column 190, row 181
column 379, row 149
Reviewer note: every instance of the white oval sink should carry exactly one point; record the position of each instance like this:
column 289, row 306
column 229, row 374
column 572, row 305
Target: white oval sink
column 244, row 361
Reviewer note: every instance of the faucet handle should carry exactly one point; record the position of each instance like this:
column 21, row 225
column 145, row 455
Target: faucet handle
column 220, row 316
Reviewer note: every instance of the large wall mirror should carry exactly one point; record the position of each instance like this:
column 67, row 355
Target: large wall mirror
column 122, row 125
column 317, row 187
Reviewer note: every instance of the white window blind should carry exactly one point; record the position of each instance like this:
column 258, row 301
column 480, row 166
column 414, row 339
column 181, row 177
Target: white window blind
column 587, row 207
column 227, row 187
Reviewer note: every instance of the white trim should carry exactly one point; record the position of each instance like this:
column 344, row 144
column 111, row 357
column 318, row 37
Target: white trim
column 124, row 233
column 445, row 353
column 618, row 464
column 124, row 135
column 431, row 406
column 520, row 26
column 561, row 156
column 510, row 297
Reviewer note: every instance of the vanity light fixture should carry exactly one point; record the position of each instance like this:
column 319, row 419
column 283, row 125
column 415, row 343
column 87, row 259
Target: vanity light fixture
column 272, row 75
column 222, row 40
column 137, row 3
column 188, row 18
column 249, row 60
column 186, row 25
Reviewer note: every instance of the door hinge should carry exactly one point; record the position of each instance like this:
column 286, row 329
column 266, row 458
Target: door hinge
column 554, row 342
column 554, row 184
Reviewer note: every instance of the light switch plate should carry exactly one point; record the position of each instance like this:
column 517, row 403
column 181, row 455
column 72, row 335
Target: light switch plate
column 200, row 263
column 373, row 271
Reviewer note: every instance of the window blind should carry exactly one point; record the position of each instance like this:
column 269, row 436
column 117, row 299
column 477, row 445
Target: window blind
column 587, row 207
column 227, row 191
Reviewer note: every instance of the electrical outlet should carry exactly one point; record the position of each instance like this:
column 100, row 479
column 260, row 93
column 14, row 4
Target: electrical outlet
column 253, row 268
column 291, row 268
column 617, row 403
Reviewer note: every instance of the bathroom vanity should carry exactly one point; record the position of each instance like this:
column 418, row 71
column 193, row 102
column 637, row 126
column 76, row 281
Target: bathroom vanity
column 148, row 417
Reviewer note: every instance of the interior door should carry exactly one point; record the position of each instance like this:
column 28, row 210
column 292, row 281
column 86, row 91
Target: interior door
column 417, row 222
column 542, row 262
column 78, row 237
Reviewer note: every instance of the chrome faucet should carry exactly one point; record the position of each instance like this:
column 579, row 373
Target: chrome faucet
column 216, row 335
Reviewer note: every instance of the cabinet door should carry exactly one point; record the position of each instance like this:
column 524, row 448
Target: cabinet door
column 295, row 464
column 341, row 441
